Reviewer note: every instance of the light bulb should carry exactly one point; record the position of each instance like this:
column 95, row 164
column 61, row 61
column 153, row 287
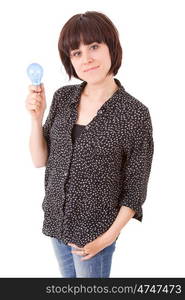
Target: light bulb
column 35, row 73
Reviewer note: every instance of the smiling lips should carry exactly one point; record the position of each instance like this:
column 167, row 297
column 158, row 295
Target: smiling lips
column 91, row 69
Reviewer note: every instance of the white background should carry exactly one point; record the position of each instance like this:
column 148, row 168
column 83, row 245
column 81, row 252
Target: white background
column 152, row 37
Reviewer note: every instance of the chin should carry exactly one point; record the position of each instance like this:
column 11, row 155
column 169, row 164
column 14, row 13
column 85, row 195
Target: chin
column 95, row 79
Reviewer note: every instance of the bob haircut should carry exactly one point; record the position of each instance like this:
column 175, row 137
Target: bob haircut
column 88, row 28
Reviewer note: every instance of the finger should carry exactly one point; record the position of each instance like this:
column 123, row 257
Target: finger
column 81, row 253
column 74, row 246
column 35, row 100
column 33, row 107
column 88, row 256
column 34, row 104
column 35, row 88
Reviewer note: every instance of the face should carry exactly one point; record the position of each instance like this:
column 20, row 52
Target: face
column 95, row 55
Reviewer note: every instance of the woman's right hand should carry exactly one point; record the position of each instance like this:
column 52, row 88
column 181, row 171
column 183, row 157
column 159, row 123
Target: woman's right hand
column 36, row 101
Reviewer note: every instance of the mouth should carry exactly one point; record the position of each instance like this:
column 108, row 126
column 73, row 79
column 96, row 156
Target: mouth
column 94, row 68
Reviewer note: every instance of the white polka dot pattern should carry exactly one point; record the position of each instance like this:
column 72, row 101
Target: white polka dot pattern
column 108, row 165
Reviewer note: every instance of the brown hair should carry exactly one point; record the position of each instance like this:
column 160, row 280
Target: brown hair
column 89, row 27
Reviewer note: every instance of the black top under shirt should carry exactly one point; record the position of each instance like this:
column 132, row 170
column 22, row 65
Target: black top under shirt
column 76, row 131
column 89, row 178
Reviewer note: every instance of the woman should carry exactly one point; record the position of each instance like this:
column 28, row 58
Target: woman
column 97, row 147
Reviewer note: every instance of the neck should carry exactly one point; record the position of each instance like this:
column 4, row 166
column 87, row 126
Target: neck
column 101, row 90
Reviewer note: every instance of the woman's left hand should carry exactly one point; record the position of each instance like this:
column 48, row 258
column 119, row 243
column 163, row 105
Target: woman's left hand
column 92, row 248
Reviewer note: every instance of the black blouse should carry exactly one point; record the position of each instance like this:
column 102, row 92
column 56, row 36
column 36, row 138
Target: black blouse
column 107, row 166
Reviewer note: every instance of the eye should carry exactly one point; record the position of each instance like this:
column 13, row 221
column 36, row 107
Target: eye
column 74, row 54
column 95, row 46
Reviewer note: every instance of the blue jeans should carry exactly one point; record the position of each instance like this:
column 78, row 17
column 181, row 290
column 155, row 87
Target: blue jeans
column 71, row 266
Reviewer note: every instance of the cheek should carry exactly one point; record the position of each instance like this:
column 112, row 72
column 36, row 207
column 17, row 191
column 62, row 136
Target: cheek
column 105, row 63
column 108, row 58
column 104, row 58
column 76, row 66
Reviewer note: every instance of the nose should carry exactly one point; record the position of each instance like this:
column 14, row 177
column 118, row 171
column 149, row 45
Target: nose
column 86, row 58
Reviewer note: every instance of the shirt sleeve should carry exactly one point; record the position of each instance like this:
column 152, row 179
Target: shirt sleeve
column 49, row 120
column 137, row 167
